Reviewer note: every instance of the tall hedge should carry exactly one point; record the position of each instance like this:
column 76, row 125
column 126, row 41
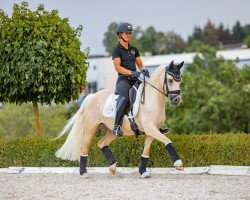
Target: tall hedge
column 195, row 150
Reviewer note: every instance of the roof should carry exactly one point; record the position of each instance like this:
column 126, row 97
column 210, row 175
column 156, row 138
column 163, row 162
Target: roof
column 241, row 54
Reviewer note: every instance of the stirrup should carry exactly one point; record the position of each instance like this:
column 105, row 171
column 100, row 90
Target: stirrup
column 117, row 131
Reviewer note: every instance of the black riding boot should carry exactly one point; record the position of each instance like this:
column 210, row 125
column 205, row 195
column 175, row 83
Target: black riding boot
column 120, row 109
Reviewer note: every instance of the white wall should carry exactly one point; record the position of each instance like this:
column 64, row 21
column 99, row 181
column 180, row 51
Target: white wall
column 102, row 69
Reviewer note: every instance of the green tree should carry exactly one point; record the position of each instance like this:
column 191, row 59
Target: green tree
column 247, row 41
column 174, row 43
column 210, row 34
column 224, row 36
column 110, row 38
column 246, row 30
column 238, row 32
column 149, row 39
column 13, row 124
column 216, row 96
column 41, row 60
column 195, row 46
column 196, row 35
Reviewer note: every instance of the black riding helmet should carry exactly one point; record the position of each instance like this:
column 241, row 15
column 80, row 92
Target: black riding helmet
column 124, row 27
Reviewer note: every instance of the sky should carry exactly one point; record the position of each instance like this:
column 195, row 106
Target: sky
column 180, row 16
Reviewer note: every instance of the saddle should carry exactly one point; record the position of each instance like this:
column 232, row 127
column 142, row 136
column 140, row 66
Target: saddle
column 132, row 96
column 134, row 102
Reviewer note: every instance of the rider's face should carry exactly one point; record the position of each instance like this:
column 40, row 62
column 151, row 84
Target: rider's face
column 127, row 36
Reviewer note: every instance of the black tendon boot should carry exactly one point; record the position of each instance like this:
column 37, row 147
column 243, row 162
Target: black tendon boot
column 83, row 164
column 142, row 167
column 108, row 155
column 120, row 109
column 174, row 155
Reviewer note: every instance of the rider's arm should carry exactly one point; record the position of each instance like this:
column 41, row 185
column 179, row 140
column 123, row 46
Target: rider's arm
column 139, row 63
column 119, row 68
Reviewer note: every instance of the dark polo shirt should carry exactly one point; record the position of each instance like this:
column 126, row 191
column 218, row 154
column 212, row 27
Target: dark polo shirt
column 127, row 56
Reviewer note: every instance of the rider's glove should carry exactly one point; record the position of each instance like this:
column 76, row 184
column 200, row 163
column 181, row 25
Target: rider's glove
column 135, row 74
column 145, row 72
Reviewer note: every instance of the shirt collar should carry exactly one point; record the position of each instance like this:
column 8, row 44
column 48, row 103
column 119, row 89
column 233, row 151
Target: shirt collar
column 122, row 47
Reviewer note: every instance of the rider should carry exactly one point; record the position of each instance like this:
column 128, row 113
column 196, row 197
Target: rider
column 125, row 58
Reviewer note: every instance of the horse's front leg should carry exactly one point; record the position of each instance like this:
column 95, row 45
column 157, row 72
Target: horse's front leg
column 152, row 130
column 145, row 157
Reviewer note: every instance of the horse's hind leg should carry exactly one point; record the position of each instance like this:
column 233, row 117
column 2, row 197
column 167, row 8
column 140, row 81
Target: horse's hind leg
column 103, row 144
column 145, row 157
column 90, row 131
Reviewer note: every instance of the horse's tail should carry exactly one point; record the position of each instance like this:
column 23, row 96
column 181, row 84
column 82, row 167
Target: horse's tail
column 72, row 146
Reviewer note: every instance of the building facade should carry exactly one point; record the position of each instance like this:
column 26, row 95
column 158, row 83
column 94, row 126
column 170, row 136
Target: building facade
column 101, row 73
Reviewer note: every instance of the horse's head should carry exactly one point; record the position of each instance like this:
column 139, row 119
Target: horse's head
column 172, row 82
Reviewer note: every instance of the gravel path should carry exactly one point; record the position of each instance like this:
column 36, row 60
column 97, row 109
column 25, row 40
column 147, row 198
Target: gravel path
column 123, row 186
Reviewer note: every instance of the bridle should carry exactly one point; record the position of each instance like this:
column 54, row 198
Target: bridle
column 176, row 77
column 166, row 90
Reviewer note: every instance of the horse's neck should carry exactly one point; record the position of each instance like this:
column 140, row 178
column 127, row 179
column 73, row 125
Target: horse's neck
column 156, row 99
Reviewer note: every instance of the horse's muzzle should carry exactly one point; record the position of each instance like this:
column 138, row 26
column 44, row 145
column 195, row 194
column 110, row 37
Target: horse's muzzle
column 175, row 99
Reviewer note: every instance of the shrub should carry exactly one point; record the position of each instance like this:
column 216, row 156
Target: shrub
column 195, row 150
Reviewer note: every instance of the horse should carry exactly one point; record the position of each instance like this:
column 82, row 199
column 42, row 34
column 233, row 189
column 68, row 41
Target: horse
column 164, row 82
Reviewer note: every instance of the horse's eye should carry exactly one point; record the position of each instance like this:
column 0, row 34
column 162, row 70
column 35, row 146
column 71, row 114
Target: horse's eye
column 170, row 81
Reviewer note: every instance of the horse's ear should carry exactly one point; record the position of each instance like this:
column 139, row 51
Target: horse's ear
column 180, row 65
column 171, row 65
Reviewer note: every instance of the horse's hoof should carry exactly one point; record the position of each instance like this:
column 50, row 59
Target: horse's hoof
column 179, row 165
column 145, row 175
column 180, row 168
column 85, row 176
column 112, row 169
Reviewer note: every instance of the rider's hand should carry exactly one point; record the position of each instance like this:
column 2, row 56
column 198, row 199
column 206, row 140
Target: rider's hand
column 145, row 72
column 135, row 74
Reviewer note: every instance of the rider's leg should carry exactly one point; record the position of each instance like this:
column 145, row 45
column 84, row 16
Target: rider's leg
column 122, row 87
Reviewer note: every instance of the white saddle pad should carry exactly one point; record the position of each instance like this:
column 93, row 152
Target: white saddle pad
column 110, row 105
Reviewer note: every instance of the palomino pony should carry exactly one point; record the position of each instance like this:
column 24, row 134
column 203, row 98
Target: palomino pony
column 164, row 82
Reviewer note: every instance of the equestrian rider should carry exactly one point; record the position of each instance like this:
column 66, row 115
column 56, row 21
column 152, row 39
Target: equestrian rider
column 125, row 58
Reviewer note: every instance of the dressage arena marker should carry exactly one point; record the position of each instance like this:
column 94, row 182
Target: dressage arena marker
column 212, row 170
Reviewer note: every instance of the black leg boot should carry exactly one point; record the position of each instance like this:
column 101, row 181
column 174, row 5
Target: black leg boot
column 120, row 109
column 110, row 158
column 142, row 167
column 174, row 155
column 83, row 164
column 108, row 155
